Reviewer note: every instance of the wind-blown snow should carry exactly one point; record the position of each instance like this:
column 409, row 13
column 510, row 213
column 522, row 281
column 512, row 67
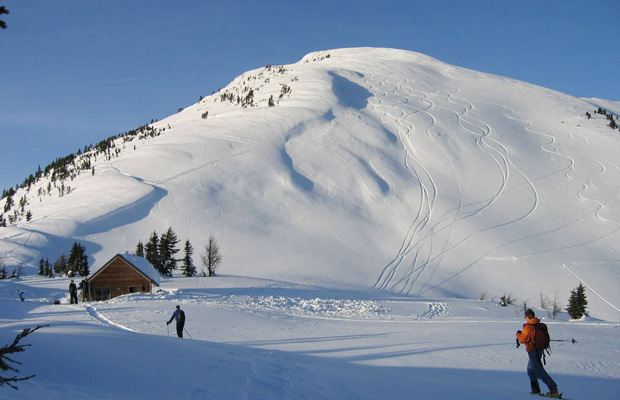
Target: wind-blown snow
column 380, row 172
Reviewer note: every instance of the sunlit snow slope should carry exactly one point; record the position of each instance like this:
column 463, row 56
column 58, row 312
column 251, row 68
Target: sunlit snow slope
column 374, row 168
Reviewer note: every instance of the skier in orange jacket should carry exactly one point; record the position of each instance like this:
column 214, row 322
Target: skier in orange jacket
column 535, row 369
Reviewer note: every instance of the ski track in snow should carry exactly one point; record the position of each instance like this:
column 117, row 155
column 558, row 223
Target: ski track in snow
column 99, row 317
column 429, row 237
column 414, row 271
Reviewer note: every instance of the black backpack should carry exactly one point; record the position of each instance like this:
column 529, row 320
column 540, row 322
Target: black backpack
column 181, row 317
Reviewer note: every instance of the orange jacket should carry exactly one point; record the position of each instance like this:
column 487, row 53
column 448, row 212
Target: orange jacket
column 527, row 335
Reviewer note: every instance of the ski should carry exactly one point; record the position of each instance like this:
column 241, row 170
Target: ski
column 549, row 395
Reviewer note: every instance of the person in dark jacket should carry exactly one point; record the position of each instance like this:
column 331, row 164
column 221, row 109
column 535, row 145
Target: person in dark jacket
column 179, row 316
column 73, row 293
column 535, row 369
column 84, row 286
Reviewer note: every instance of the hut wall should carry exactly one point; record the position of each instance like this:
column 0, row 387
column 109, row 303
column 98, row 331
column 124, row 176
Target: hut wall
column 116, row 279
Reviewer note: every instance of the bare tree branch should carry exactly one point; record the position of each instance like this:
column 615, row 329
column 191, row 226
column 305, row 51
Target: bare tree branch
column 14, row 347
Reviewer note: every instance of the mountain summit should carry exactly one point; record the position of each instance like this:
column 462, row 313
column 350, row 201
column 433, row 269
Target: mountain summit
column 362, row 168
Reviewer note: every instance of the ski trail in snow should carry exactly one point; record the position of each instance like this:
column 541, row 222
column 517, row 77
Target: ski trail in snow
column 254, row 146
column 427, row 187
column 430, row 236
column 553, row 149
column 96, row 315
column 403, row 97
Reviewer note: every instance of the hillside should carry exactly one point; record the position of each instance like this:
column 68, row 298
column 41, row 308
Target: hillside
column 358, row 168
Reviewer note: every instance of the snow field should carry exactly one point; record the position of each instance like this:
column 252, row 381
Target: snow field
column 255, row 338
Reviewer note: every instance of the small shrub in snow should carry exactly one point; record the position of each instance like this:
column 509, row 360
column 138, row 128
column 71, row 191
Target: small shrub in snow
column 553, row 307
column 506, row 299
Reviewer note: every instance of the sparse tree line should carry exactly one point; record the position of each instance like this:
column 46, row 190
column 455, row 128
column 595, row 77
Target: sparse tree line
column 65, row 169
column 319, row 58
column 4, row 274
column 576, row 309
column 611, row 117
column 76, row 263
column 160, row 251
column 244, row 93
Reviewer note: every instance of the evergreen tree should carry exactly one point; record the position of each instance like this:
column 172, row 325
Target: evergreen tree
column 41, row 267
column 167, row 250
column 60, row 266
column 212, row 258
column 78, row 260
column 151, row 252
column 577, row 302
column 140, row 249
column 48, row 269
column 8, row 204
column 188, row 267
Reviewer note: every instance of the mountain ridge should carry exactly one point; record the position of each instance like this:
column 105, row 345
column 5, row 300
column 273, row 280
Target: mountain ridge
column 368, row 168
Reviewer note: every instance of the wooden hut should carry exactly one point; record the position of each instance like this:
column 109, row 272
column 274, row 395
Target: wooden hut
column 123, row 274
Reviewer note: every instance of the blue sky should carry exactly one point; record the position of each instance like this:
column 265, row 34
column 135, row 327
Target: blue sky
column 75, row 72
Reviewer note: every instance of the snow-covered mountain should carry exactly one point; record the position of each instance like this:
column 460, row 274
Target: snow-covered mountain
column 359, row 168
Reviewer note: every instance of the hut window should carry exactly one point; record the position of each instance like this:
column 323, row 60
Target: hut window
column 102, row 294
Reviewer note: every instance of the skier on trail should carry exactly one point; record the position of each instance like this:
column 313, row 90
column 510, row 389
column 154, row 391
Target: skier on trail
column 73, row 293
column 535, row 369
column 179, row 315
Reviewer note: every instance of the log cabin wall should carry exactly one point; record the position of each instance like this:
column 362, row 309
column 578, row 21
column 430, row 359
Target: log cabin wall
column 118, row 278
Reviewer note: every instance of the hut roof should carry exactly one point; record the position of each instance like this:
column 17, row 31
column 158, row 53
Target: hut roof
column 141, row 264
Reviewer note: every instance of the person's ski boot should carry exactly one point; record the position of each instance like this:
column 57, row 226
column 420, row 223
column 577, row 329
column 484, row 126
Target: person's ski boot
column 554, row 394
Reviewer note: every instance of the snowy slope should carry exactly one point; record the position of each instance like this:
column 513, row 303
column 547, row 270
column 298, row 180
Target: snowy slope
column 379, row 168
column 265, row 339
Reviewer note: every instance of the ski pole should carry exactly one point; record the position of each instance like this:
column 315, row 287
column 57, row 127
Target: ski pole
column 573, row 341
column 168, row 326
column 190, row 336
